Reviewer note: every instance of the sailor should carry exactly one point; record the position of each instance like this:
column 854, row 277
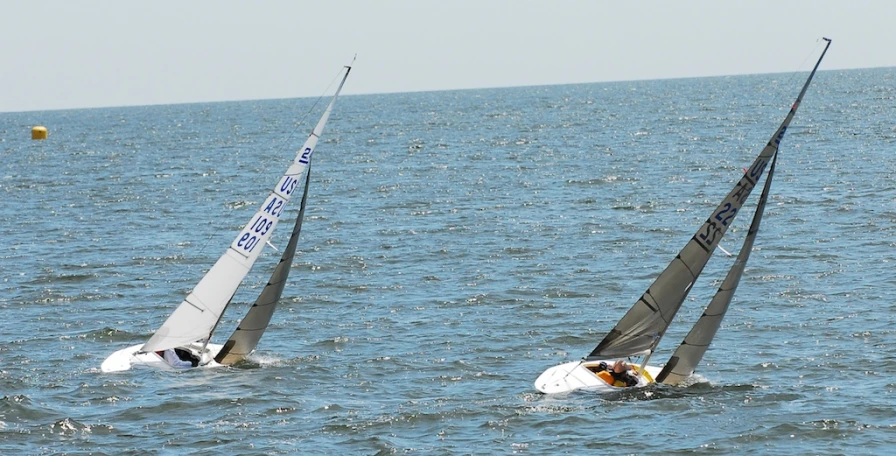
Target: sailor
column 623, row 374
column 170, row 357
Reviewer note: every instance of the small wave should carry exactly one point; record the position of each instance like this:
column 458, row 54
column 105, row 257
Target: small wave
column 108, row 334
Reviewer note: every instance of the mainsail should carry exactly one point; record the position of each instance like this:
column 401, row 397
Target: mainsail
column 196, row 317
column 246, row 336
column 641, row 328
column 688, row 355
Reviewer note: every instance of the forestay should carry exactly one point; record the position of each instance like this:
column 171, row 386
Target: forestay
column 196, row 317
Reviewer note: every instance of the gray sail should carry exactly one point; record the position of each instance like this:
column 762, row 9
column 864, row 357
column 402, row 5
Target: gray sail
column 688, row 355
column 246, row 336
column 641, row 328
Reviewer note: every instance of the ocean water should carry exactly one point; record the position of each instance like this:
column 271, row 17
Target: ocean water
column 456, row 245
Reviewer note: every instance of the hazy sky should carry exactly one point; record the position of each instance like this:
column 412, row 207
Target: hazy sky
column 76, row 54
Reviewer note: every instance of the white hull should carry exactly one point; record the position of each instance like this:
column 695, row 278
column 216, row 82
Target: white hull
column 576, row 375
column 126, row 358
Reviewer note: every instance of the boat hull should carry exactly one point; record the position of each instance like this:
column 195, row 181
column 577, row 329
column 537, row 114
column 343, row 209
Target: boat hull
column 576, row 375
column 127, row 358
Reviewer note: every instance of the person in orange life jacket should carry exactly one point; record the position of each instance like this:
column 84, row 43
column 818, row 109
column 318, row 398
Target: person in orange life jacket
column 624, row 373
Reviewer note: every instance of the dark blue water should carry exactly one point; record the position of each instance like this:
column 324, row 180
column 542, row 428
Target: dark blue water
column 456, row 245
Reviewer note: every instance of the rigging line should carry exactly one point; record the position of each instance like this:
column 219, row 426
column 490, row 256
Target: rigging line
column 301, row 123
column 298, row 130
column 284, row 145
column 782, row 92
column 797, row 73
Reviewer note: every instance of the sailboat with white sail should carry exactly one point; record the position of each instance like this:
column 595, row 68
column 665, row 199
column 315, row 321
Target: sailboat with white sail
column 186, row 334
column 637, row 335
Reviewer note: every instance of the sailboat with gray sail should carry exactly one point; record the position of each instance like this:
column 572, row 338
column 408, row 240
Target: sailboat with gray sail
column 637, row 335
column 184, row 339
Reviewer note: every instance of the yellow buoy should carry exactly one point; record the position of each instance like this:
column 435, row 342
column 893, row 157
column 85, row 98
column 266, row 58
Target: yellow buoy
column 39, row 133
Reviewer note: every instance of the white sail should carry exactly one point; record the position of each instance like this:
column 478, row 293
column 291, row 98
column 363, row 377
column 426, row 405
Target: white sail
column 688, row 355
column 196, row 317
column 246, row 336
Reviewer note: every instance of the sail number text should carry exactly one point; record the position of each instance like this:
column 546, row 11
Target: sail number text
column 288, row 185
column 260, row 226
column 256, row 231
column 717, row 224
column 305, row 157
column 714, row 226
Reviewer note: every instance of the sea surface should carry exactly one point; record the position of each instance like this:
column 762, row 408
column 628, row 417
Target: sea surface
column 456, row 245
